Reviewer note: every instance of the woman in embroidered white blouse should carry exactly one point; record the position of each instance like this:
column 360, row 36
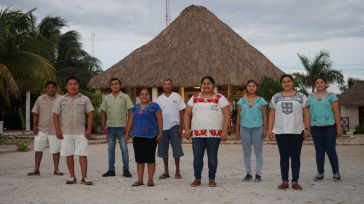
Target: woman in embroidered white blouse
column 206, row 120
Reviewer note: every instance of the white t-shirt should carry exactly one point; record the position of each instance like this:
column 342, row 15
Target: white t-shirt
column 207, row 116
column 288, row 113
column 171, row 107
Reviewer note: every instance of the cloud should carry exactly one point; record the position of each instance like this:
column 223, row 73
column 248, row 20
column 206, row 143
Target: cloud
column 278, row 28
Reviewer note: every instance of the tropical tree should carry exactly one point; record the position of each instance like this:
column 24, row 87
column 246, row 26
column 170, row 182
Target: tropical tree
column 320, row 65
column 268, row 87
column 349, row 83
column 66, row 52
column 20, row 67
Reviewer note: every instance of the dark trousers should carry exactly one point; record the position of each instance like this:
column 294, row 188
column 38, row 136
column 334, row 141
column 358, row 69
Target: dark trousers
column 290, row 146
column 199, row 145
column 325, row 141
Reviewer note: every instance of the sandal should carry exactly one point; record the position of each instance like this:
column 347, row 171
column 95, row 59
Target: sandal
column 58, row 173
column 177, row 176
column 150, row 183
column 34, row 173
column 164, row 176
column 137, row 184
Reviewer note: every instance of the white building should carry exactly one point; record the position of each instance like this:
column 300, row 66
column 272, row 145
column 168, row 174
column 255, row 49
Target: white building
column 352, row 106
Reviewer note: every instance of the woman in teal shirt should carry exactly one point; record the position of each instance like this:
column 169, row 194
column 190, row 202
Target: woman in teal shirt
column 251, row 128
column 325, row 126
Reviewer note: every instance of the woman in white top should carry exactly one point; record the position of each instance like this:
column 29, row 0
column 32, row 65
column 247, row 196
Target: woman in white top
column 289, row 122
column 210, row 114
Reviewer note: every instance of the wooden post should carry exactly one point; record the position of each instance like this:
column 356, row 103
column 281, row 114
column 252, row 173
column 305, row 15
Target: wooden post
column 229, row 95
column 154, row 93
column 182, row 92
column 128, row 91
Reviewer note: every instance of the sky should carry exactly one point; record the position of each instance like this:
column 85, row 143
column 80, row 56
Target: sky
column 278, row 28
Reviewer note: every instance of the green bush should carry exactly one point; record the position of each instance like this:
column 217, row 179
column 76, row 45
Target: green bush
column 359, row 129
column 6, row 139
column 21, row 146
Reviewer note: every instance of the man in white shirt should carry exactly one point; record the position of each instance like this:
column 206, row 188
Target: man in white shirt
column 173, row 107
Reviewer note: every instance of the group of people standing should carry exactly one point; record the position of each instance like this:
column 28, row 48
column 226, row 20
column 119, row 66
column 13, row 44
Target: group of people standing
column 60, row 122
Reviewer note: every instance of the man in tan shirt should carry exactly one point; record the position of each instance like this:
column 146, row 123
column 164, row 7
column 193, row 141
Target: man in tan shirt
column 43, row 128
column 69, row 123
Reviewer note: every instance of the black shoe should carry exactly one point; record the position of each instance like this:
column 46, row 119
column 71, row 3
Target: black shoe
column 127, row 174
column 108, row 173
column 337, row 177
column 258, row 178
column 248, row 177
column 319, row 177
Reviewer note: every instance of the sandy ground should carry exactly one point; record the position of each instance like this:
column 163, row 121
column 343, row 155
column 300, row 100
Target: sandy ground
column 16, row 187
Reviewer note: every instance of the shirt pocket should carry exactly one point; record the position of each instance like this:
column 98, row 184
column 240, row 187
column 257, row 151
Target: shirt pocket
column 66, row 107
column 80, row 108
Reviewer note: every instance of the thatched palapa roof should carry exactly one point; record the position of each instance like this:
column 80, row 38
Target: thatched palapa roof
column 353, row 96
column 195, row 44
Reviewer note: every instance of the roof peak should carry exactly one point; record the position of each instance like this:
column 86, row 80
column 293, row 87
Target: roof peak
column 194, row 8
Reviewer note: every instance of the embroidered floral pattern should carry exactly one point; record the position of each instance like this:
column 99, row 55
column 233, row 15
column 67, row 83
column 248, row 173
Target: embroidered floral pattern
column 207, row 133
column 198, row 99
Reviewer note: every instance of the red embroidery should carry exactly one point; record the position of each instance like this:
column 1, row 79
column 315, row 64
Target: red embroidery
column 213, row 133
column 215, row 99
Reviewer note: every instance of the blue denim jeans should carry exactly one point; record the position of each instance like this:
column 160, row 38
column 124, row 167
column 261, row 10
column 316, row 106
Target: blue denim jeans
column 199, row 145
column 325, row 142
column 249, row 137
column 117, row 133
column 290, row 146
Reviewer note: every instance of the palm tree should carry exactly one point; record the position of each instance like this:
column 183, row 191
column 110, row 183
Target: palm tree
column 320, row 65
column 350, row 82
column 21, row 68
column 66, row 52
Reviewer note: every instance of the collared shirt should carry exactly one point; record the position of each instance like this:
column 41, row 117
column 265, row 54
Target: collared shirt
column 72, row 112
column 321, row 110
column 116, row 108
column 43, row 107
column 288, row 113
column 171, row 107
column 251, row 114
column 207, row 116
column 145, row 123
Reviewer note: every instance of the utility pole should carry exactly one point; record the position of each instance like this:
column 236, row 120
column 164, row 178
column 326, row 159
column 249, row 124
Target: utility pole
column 168, row 15
column 92, row 44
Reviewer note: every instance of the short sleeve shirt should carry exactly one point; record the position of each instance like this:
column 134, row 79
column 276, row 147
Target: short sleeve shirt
column 72, row 112
column 116, row 108
column 43, row 107
column 288, row 113
column 171, row 107
column 207, row 116
column 321, row 110
column 145, row 122
column 251, row 114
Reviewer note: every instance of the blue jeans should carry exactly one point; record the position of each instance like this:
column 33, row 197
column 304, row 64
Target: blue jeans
column 117, row 133
column 290, row 146
column 249, row 137
column 325, row 141
column 198, row 146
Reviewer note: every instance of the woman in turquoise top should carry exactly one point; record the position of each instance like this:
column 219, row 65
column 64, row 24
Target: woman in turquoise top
column 325, row 126
column 251, row 128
